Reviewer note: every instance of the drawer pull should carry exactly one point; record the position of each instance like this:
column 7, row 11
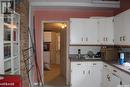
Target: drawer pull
column 115, row 75
column 94, row 63
column 78, row 64
column 105, row 65
column 114, row 71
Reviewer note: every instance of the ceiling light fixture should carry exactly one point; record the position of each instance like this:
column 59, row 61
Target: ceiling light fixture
column 63, row 26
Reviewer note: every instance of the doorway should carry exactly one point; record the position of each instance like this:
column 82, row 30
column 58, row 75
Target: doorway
column 55, row 53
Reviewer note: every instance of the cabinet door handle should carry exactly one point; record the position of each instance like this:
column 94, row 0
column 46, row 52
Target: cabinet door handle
column 94, row 64
column 82, row 39
column 108, row 78
column 114, row 71
column 105, row 65
column 120, row 82
column 78, row 64
column 86, row 39
column 89, row 72
column 120, row 38
column 123, row 38
column 83, row 72
column 115, row 75
column 106, row 39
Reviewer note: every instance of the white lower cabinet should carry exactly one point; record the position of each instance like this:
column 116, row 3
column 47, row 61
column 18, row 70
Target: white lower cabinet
column 86, row 74
column 125, row 78
column 113, row 77
column 97, row 74
column 79, row 74
column 115, row 81
column 106, row 76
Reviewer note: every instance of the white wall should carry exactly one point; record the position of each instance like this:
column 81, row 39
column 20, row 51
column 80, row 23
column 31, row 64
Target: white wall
column 84, row 49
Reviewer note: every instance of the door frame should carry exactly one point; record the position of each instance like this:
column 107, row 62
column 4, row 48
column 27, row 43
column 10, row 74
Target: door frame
column 67, row 78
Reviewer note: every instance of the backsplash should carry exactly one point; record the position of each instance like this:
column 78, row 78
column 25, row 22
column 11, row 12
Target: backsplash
column 84, row 49
column 95, row 49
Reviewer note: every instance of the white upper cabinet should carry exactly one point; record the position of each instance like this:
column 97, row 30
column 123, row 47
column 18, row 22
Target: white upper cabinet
column 126, row 36
column 76, row 30
column 83, row 31
column 47, row 37
column 119, row 29
column 102, row 30
column 122, row 28
column 106, row 31
column 90, row 31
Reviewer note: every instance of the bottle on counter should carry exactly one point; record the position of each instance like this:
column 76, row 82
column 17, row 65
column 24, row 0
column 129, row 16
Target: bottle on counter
column 122, row 58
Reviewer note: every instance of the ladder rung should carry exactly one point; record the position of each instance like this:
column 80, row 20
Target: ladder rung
column 28, row 64
column 28, row 58
column 31, row 68
column 27, row 49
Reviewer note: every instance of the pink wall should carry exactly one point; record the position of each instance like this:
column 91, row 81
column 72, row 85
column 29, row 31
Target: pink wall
column 65, row 14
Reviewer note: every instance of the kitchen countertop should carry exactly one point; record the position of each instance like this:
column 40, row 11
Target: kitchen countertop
column 123, row 68
column 83, row 60
column 74, row 58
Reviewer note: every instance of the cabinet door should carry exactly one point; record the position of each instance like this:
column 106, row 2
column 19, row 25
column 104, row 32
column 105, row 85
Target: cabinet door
column 96, row 74
column 90, row 31
column 106, row 31
column 83, row 31
column 77, row 74
column 119, row 29
column 126, row 36
column 77, row 78
column 115, row 81
column 76, row 30
column 125, row 78
column 106, row 76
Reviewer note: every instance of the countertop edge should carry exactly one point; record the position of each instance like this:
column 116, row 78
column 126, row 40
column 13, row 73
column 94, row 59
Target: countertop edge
column 93, row 60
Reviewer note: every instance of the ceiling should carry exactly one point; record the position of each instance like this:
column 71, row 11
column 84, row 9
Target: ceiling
column 54, row 26
column 77, row 3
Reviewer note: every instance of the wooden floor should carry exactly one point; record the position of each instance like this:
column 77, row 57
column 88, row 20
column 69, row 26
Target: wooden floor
column 52, row 78
column 51, row 74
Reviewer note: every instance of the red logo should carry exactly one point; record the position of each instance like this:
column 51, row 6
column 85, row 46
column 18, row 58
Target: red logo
column 10, row 81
